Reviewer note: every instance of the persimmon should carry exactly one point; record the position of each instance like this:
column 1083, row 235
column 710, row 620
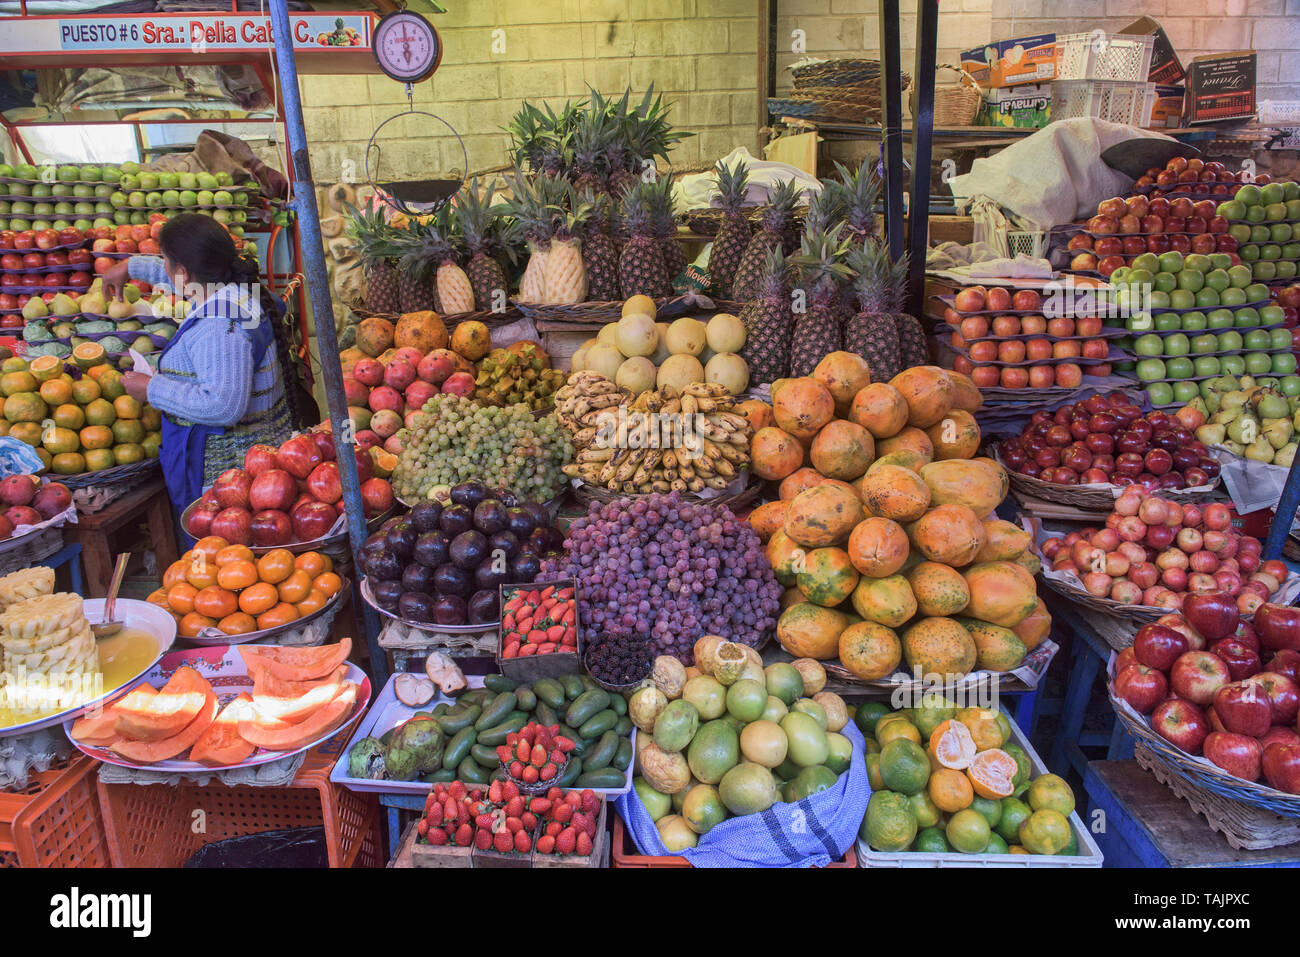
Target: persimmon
column 215, row 602
column 208, row 546
column 313, row 563
column 330, row 583
column 158, row 597
column 202, row 573
column 234, row 553
column 258, row 598
column 193, row 623
column 175, row 573
column 295, row 587
column 275, row 566
column 180, row 598
column 315, row 601
column 237, row 574
column 240, row 623
column 281, row 614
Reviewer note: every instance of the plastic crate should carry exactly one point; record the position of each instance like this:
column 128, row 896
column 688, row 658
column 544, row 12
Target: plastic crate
column 55, row 821
column 624, row 853
column 158, row 825
column 1031, row 242
column 1279, row 112
column 1103, row 56
column 1112, row 100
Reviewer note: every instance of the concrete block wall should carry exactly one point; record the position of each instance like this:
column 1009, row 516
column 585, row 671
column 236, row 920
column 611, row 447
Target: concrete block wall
column 700, row 53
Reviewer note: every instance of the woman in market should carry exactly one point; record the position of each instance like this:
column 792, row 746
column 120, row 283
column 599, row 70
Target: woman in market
column 219, row 383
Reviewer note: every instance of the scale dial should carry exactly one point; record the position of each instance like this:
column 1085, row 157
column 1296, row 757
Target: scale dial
column 407, row 47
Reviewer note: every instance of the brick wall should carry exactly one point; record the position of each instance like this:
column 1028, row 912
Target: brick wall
column 700, row 53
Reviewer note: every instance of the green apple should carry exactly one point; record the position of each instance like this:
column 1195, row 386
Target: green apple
column 20, row 225
column 1191, row 280
column 1159, row 298
column 1140, row 276
column 148, row 180
column 103, row 191
column 1220, row 260
column 139, row 218
column 1205, row 343
column 221, row 215
column 1264, row 270
column 1232, row 365
column 1201, row 366
column 20, row 189
column 222, row 198
column 188, row 197
column 1256, row 340
column 136, row 198
column 1229, row 341
column 1291, row 250
column 1176, row 345
column 1275, row 212
column 1187, row 391
column 39, row 224
column 1232, row 296
column 1182, row 299
column 1280, row 233
column 240, row 198
column 1249, row 253
column 207, row 181
column 171, row 197
column 1279, row 339
column 1239, row 276
column 1293, row 207
column 238, row 231
column 1232, row 210
column 153, row 199
column 1151, row 370
column 112, row 174
column 65, row 173
column 1165, row 282
column 205, row 197
column 1149, row 345
column 1259, row 363
column 1194, row 321
column 1147, row 261
column 1217, row 279
column 1160, row 393
column 1245, row 317
column 240, row 216
column 1271, row 193
column 1240, row 232
column 1286, row 269
column 1270, row 252
column 118, row 199
column 84, row 224
column 224, row 178
column 1171, row 261
column 64, row 209
column 1271, row 315
column 61, row 224
column 122, row 217
column 1290, row 191
column 168, row 180
column 1120, row 276
column 1257, row 292
column 81, row 209
column 1259, row 234
column 22, row 208
column 1284, row 363
column 1207, row 298
column 1256, row 214
column 1167, row 321
column 1197, row 261
column 25, row 171
column 1179, row 368
column 130, row 166
column 80, row 191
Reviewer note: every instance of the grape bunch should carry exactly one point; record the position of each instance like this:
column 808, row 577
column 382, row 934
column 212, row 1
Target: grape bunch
column 669, row 569
column 455, row 440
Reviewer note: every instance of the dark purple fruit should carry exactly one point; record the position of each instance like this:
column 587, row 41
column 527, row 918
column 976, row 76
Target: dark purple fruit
column 456, row 519
column 507, row 498
column 469, row 493
column 416, row 606
column 524, row 567
column 384, row 565
column 489, row 516
column 386, row 594
column 431, row 549
column 483, row 607
column 469, row 548
column 543, row 540
column 520, row 522
column 426, row 515
column 374, row 543
column 450, row 610
column 390, row 522
column 541, row 517
column 418, row 577
column 503, row 542
column 490, row 574
column 401, row 538
column 450, row 580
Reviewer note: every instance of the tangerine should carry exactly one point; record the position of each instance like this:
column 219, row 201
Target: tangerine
column 202, row 573
column 983, row 726
column 313, row 563
column 97, row 459
column 1049, row 791
column 56, row 391
column 992, row 773
column 239, row 623
column 95, row 437
column 175, row 573
column 968, row 831
column 208, row 546
column 159, row 597
column 68, row 463
column 952, row 745
column 276, row 565
column 330, row 583
column 100, row 412
column 234, row 553
column 950, row 790
column 85, row 391
column 215, row 602
column 236, row 575
column 29, row 432
column 180, row 598
column 69, row 416
column 1045, row 832
column 315, row 601
column 127, row 407
column 258, row 598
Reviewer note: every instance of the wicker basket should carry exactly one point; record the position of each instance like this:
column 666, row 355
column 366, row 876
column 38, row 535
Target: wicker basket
column 93, row 491
column 451, row 321
column 1091, row 498
column 1134, row 615
column 585, row 494
column 956, row 104
column 29, row 550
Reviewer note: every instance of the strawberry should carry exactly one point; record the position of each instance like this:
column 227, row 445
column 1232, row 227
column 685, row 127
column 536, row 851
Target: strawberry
column 567, row 841
column 422, row 827
column 437, row 837
column 504, row 754
column 514, row 825
column 529, row 820
column 516, row 769
column 527, row 650
column 449, row 810
column 546, row 773
column 538, row 756
column 570, row 616
column 515, row 806
column 523, row 751
column 573, row 797
column 508, row 622
column 557, row 757
column 554, row 795
column 504, row 841
column 564, row 594
column 430, row 801
column 485, row 821
column 539, row 805
column 523, row 843
column 512, row 739
column 553, row 828
column 590, row 803
column 583, row 822
column 547, row 592
column 545, row 844
column 563, row 812
column 546, row 648
column 564, row 744
column 462, row 813
column 483, row 840
column 458, row 790
column 494, row 792
column 555, row 633
column 570, row 636
column 530, row 775
column 509, row 790
column 533, row 597
column 584, row 845
column 464, row 834
column 511, row 650
column 536, row 636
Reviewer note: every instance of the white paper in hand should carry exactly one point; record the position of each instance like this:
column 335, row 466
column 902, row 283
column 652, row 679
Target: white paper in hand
column 138, row 363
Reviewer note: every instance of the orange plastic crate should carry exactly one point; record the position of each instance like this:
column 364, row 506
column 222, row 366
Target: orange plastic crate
column 623, row 853
column 159, row 825
column 55, row 821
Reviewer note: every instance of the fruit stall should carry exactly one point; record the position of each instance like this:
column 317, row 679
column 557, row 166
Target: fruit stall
column 645, row 530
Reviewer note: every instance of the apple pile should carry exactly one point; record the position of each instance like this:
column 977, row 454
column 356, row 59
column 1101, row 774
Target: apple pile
column 1195, row 177
column 384, row 393
column 1107, row 440
column 994, row 325
column 26, row 501
column 1218, row 686
column 284, row 495
column 1157, row 553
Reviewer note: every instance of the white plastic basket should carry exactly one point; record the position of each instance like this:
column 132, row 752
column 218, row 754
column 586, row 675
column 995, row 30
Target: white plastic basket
column 1103, row 56
column 1089, row 853
column 1030, row 242
column 1113, row 100
column 1279, row 112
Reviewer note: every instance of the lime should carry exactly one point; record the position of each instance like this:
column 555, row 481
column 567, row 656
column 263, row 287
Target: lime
column 996, row 845
column 991, row 808
column 1014, row 813
column 1022, row 762
column 931, row 841
column 904, row 766
column 889, row 824
column 867, row 715
column 968, row 832
column 927, row 814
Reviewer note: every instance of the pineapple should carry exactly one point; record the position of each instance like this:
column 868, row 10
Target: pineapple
column 455, row 294
column 564, row 280
column 768, row 322
column 664, row 221
column 485, row 233
column 734, row 233
column 872, row 333
column 641, row 268
column 911, row 335
column 776, row 219
column 377, row 244
column 861, row 190
column 531, row 207
column 599, row 257
column 817, row 331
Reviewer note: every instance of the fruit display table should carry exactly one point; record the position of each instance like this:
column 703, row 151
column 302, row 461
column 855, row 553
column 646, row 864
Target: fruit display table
column 1144, row 824
column 148, row 502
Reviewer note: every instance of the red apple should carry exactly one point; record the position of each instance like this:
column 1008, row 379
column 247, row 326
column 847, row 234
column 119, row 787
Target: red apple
column 1283, row 695
column 1242, row 662
column 1278, row 626
column 1281, row 766
column 1237, row 754
column 298, row 456
column 231, row 489
column 1197, row 676
column 1181, row 723
column 200, row 523
column 271, row 527
column 1159, row 647
column 273, row 489
column 323, row 483
column 1286, row 661
column 313, row 520
column 1213, row 615
column 1142, row 687
column 232, row 524
column 324, row 444
column 258, row 459
column 1243, row 708
column 377, row 496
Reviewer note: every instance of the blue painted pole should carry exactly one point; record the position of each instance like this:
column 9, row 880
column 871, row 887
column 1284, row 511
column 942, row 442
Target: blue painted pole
column 1285, row 512
column 303, row 203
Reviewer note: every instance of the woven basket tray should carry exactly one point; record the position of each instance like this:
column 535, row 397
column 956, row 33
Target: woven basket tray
column 451, row 321
column 119, row 477
column 585, row 494
column 30, row 550
column 1132, row 615
column 1092, row 498
column 587, row 313
column 956, row 104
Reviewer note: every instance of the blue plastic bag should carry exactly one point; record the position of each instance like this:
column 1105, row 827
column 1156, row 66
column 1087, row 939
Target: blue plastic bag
column 809, row 833
column 18, row 458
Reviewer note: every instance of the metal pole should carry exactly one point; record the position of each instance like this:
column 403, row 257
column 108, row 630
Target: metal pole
column 1285, row 513
column 303, row 203
column 918, row 232
column 891, row 124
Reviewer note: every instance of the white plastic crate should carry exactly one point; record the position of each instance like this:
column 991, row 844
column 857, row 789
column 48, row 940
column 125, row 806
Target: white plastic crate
column 1113, row 100
column 1029, row 242
column 1279, row 112
column 1103, row 56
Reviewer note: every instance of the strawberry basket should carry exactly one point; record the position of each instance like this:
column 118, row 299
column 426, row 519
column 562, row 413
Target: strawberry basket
column 555, row 654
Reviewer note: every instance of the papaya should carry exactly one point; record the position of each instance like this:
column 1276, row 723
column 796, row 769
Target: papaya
column 911, row 440
column 948, row 534
column 782, row 553
column 768, row 518
column 880, row 409
column 150, row 752
column 802, row 407
column 295, row 708
column 878, row 547
column 824, row 515
column 299, row 664
column 220, row 745
column 144, row 717
column 774, row 453
column 886, row 601
column 265, row 683
column 100, row 728
column 955, row 436
column 827, row 576
column 960, row 482
column 1003, row 541
column 894, row 492
column 807, row 630
column 870, row 650
column 965, row 393
column 939, row 589
column 996, row 648
column 282, row 736
column 939, row 646
column 842, row 450
column 929, row 394
column 1035, row 628
column 1000, row 592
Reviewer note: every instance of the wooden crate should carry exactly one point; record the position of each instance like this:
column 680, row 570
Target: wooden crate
column 599, row 856
column 413, row 854
column 430, row 855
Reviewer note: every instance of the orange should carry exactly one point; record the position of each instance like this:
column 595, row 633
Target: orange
column 56, row 392
column 175, row 573
column 236, row 575
column 258, row 598
column 314, row 601
column 85, row 391
column 234, row 553
column 208, row 546
column 159, row 597
column 127, row 407
column 275, row 566
column 215, row 602
column 237, row 624
column 193, row 623
column 1050, row 792
column 59, row 441
column 180, row 598
column 330, row 583
column 952, row 745
column 992, row 773
column 295, row 587
column 100, row 412
column 983, row 726
column 950, row 790
column 97, row 459
column 281, row 614
column 202, row 573
column 313, row 563
column 69, row 416
column 96, row 437
column 1045, row 832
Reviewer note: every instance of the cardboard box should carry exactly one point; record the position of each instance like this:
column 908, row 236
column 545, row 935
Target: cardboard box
column 1025, row 106
column 1221, row 86
column 1165, row 65
column 1011, row 62
column 1167, row 112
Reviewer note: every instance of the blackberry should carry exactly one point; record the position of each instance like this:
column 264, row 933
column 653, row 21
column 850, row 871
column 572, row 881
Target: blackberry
column 620, row 659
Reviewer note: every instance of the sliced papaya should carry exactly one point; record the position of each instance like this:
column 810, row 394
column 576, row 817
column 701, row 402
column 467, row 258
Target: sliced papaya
column 220, row 746
column 280, row 736
column 168, row 712
column 150, row 752
column 295, row 708
column 100, row 728
column 265, row 683
column 302, row 664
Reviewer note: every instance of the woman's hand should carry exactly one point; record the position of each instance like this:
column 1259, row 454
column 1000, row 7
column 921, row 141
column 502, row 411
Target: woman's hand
column 136, row 385
column 115, row 277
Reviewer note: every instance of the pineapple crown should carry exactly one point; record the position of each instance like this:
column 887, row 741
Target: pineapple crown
column 530, row 204
column 781, row 203
column 732, row 185
column 775, row 273
column 375, row 238
column 819, row 260
column 430, row 244
column 568, row 215
column 860, row 191
column 878, row 282
column 594, row 210
column 824, row 210
column 651, row 136
column 486, row 227
column 659, row 196
column 635, row 206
